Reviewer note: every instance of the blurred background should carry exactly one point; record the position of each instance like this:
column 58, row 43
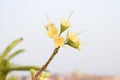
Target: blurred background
column 100, row 42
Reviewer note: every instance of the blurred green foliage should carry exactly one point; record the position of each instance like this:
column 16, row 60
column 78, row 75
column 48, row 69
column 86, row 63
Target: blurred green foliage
column 6, row 66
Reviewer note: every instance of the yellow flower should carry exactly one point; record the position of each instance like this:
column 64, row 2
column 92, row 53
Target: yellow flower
column 65, row 24
column 52, row 31
column 50, row 25
column 73, row 40
column 73, row 37
column 58, row 41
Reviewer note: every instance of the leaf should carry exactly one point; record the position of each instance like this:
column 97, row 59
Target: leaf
column 10, row 47
column 13, row 65
column 21, row 68
column 15, row 54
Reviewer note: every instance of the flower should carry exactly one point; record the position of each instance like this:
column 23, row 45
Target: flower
column 50, row 25
column 73, row 40
column 58, row 41
column 65, row 24
column 73, row 37
column 52, row 31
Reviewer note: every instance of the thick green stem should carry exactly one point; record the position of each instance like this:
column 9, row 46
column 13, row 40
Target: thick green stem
column 46, row 64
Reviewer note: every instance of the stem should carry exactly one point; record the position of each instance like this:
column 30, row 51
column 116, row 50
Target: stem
column 60, row 33
column 46, row 64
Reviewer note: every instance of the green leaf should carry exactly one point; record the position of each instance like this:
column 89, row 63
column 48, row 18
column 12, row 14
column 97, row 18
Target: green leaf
column 12, row 65
column 15, row 54
column 20, row 68
column 10, row 47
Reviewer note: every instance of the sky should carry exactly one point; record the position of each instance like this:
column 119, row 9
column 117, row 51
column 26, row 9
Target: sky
column 100, row 41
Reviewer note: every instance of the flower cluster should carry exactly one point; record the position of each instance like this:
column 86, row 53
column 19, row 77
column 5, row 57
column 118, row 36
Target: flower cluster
column 71, row 38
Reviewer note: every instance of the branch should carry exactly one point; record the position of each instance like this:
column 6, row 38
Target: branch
column 46, row 64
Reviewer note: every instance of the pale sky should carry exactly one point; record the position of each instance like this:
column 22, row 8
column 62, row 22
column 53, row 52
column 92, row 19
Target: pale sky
column 100, row 41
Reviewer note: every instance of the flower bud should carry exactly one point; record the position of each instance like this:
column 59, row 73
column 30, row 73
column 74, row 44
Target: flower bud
column 50, row 25
column 47, row 74
column 65, row 24
column 73, row 40
column 32, row 71
column 52, row 31
column 41, row 78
